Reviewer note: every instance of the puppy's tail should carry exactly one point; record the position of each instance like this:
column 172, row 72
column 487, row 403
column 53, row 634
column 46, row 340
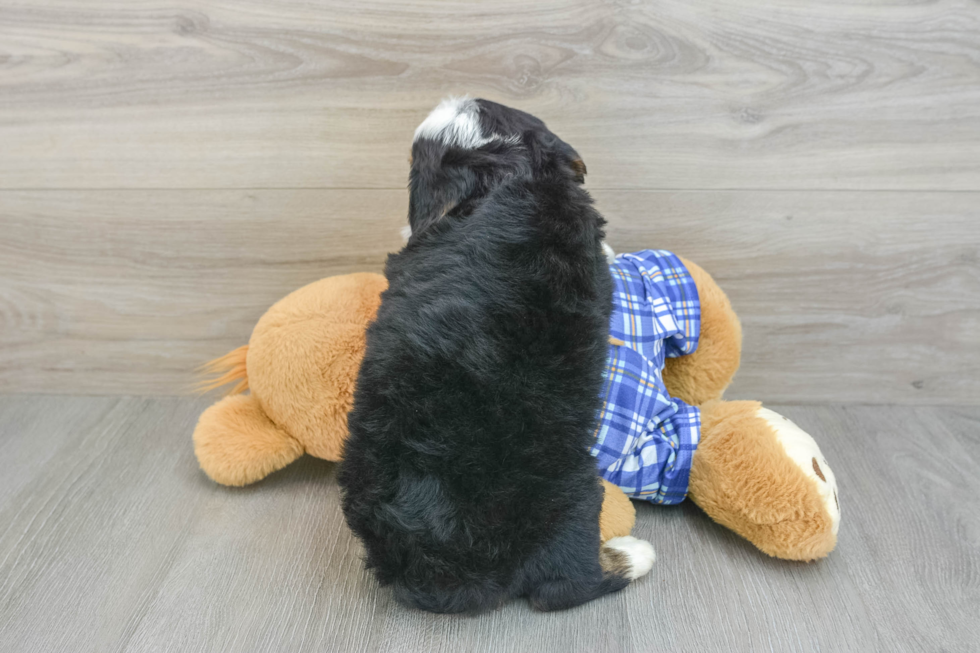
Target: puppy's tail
column 223, row 370
column 623, row 560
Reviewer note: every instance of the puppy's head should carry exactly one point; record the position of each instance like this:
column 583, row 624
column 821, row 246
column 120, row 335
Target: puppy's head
column 466, row 147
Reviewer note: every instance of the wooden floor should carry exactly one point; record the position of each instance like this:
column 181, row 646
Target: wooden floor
column 111, row 539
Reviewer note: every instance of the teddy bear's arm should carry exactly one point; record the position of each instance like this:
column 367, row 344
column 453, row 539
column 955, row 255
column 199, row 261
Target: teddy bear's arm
column 704, row 374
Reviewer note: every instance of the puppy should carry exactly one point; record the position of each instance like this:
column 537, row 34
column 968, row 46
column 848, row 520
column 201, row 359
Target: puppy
column 467, row 473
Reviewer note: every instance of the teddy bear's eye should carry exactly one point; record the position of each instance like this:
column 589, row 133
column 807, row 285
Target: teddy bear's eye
column 818, row 471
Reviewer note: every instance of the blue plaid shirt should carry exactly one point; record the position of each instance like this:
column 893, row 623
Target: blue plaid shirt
column 645, row 439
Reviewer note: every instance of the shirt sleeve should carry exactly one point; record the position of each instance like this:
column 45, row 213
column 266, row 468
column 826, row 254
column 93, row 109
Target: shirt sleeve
column 658, row 307
column 645, row 440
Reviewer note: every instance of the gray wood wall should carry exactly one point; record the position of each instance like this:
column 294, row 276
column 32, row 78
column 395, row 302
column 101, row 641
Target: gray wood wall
column 168, row 171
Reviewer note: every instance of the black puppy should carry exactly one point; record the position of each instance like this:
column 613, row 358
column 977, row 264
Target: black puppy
column 467, row 473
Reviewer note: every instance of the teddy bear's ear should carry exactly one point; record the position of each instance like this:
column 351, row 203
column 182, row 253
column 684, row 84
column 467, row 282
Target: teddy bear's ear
column 236, row 443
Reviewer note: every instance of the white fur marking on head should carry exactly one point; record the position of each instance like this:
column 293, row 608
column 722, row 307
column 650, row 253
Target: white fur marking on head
column 406, row 232
column 455, row 122
column 803, row 450
column 640, row 553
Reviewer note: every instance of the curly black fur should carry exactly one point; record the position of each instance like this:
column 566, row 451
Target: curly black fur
column 467, row 473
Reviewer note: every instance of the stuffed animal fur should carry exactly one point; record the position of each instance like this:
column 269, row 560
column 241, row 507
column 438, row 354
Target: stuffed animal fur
column 753, row 471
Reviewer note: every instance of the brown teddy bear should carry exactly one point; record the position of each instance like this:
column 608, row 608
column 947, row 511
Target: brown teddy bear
column 752, row 470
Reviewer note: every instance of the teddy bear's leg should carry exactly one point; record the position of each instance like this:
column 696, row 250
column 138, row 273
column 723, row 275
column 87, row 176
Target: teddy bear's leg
column 618, row 514
column 237, row 444
column 760, row 475
column 704, row 375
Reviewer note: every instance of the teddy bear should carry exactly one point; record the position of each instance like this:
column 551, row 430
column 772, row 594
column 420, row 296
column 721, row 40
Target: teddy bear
column 663, row 430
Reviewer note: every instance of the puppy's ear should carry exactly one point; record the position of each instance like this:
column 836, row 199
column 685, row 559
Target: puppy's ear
column 572, row 161
column 435, row 185
column 550, row 152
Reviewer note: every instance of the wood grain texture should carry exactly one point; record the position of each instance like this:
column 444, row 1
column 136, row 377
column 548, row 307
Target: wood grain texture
column 111, row 539
column 325, row 94
column 850, row 297
column 846, row 297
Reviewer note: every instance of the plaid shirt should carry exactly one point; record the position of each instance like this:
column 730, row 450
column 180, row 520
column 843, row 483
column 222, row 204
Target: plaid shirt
column 645, row 439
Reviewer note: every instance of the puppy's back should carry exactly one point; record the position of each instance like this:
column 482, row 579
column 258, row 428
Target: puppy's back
column 467, row 473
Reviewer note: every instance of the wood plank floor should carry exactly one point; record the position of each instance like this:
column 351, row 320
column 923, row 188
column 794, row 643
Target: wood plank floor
column 111, row 539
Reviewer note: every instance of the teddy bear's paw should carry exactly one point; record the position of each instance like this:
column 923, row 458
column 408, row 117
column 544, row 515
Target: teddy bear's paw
column 627, row 556
column 236, row 443
column 804, row 452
